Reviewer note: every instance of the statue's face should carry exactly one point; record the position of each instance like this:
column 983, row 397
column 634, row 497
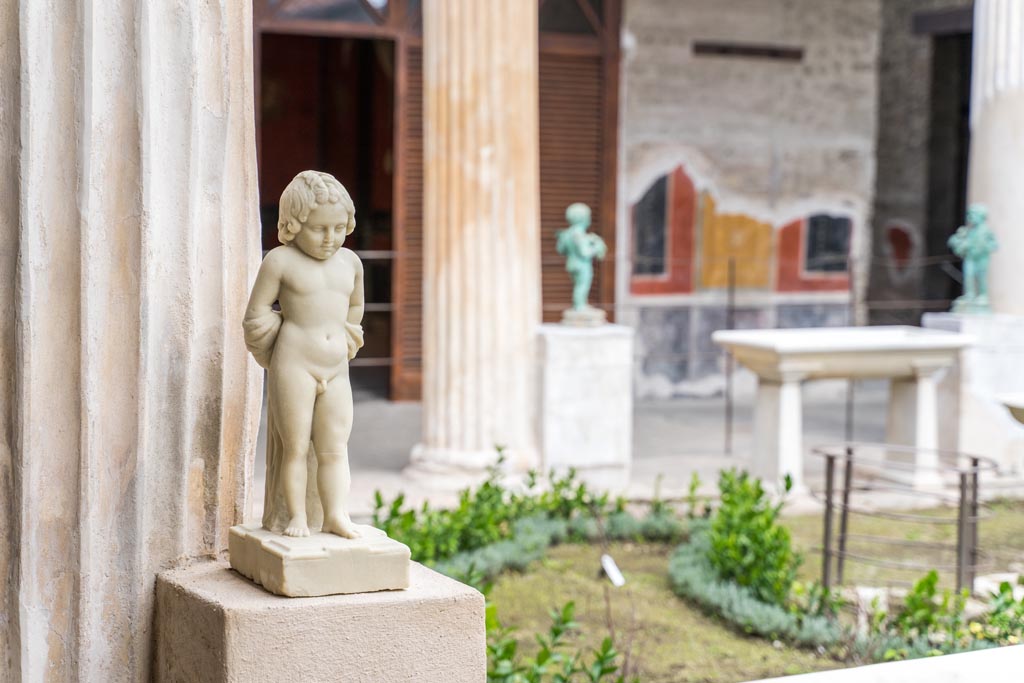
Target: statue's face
column 323, row 233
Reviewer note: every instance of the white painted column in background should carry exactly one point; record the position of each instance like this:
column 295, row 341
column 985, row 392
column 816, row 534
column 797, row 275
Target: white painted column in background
column 996, row 173
column 128, row 403
column 481, row 289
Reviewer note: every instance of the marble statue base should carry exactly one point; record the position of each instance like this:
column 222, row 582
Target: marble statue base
column 972, row 417
column 320, row 564
column 586, row 402
column 214, row 626
column 584, row 317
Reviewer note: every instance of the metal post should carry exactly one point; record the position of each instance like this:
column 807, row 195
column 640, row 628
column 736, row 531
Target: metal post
column 844, row 514
column 973, row 569
column 826, row 559
column 961, row 535
column 730, row 322
column 852, row 315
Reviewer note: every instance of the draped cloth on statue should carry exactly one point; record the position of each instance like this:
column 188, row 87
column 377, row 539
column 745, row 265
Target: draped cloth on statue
column 260, row 335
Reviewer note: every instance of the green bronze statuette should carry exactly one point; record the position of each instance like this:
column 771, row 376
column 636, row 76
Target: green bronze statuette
column 974, row 243
column 580, row 248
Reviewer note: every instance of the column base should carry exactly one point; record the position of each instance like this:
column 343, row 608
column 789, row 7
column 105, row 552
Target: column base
column 319, row 564
column 215, row 626
column 451, row 468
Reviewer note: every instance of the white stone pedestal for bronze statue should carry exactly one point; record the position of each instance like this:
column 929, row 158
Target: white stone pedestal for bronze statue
column 973, row 418
column 319, row 564
column 586, row 403
column 215, row 626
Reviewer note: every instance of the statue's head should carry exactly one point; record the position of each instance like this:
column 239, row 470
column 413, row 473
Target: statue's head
column 578, row 214
column 316, row 214
column 977, row 214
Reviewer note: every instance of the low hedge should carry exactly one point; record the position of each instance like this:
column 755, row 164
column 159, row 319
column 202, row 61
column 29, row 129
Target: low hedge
column 694, row 579
column 532, row 536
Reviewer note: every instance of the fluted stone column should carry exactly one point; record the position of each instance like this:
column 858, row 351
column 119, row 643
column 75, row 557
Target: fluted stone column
column 128, row 404
column 996, row 173
column 481, row 289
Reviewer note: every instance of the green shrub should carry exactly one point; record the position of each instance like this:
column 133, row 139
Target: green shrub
column 552, row 663
column 484, row 515
column 931, row 622
column 925, row 610
column 748, row 545
column 694, row 578
column 1005, row 620
column 511, row 529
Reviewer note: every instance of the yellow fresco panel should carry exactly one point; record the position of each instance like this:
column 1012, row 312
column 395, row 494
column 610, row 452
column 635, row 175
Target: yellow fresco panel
column 725, row 235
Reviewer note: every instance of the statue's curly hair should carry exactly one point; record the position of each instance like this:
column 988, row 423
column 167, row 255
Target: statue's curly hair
column 305, row 192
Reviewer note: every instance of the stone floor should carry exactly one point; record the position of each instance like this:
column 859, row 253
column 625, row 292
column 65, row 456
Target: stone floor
column 672, row 439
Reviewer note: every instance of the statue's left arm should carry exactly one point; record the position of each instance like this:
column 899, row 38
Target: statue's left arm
column 262, row 322
column 356, row 306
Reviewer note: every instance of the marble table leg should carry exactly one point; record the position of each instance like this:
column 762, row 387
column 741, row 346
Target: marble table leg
column 778, row 432
column 913, row 421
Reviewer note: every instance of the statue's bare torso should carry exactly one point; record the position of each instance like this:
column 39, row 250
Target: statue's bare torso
column 314, row 298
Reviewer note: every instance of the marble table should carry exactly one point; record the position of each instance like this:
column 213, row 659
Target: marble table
column 911, row 357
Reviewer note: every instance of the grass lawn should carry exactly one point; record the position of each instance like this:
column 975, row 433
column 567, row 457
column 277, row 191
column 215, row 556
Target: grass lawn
column 673, row 640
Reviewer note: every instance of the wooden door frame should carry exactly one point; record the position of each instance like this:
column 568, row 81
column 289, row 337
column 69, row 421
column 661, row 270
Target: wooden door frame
column 398, row 29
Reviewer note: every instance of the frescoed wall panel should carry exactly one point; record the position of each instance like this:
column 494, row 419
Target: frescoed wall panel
column 681, row 241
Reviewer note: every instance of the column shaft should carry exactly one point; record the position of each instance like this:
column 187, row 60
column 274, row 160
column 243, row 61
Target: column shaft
column 129, row 406
column 481, row 287
column 997, row 142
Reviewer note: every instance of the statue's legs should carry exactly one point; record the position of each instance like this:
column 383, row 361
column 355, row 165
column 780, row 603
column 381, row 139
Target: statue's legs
column 292, row 394
column 970, row 290
column 582, row 279
column 332, row 425
column 981, row 278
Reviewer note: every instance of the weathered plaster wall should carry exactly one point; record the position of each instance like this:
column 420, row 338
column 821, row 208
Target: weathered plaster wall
column 128, row 404
column 902, row 183
column 770, row 142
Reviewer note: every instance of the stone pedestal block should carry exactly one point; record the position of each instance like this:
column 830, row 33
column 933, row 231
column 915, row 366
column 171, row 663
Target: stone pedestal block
column 971, row 417
column 320, row 564
column 586, row 404
column 215, row 626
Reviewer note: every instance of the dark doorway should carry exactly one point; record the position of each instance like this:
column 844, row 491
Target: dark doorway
column 328, row 104
column 948, row 150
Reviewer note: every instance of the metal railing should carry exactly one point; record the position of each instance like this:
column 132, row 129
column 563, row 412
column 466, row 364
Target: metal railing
column 896, row 472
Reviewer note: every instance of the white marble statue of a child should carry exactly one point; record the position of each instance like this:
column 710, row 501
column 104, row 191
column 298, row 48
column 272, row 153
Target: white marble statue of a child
column 306, row 348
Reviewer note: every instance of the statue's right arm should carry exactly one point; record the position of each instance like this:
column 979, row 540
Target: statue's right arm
column 262, row 322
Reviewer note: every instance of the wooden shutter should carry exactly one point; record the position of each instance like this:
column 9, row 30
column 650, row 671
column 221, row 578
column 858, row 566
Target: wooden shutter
column 407, row 351
column 571, row 167
column 574, row 154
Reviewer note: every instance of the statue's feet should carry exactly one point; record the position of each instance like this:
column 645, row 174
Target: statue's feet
column 340, row 525
column 297, row 527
